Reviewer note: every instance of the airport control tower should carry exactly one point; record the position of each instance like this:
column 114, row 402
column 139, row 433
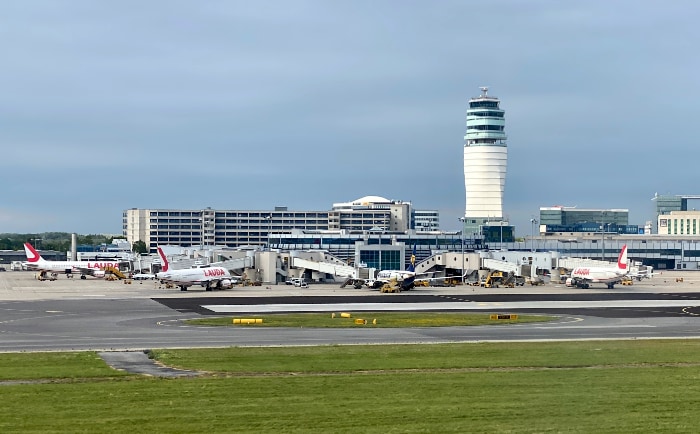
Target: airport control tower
column 485, row 160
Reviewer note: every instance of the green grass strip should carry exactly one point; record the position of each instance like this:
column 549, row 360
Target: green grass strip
column 68, row 365
column 485, row 355
column 373, row 319
column 601, row 387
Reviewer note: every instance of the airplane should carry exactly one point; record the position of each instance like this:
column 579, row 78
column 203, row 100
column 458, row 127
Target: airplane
column 207, row 277
column 405, row 279
column 583, row 277
column 85, row 268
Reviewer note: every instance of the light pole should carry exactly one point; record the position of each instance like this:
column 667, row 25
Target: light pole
column 461, row 240
column 201, row 230
column 269, row 230
column 501, row 225
column 602, row 235
column 533, row 222
column 603, row 228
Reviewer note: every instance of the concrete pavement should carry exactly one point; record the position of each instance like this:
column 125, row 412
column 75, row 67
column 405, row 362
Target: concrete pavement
column 22, row 285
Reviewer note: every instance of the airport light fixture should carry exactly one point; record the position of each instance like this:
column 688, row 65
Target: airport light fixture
column 269, row 230
column 533, row 222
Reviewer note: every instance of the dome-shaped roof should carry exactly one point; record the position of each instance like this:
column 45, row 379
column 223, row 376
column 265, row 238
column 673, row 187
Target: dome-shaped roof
column 370, row 199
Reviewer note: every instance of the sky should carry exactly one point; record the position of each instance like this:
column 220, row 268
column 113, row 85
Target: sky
column 111, row 105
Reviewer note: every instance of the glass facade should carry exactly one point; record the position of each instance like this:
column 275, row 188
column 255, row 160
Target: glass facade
column 563, row 219
column 382, row 259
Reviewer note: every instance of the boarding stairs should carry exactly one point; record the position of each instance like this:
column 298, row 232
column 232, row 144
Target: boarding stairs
column 115, row 271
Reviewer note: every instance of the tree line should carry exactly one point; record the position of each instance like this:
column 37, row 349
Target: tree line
column 58, row 241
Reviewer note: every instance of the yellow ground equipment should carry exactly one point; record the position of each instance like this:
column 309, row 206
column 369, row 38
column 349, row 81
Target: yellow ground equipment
column 509, row 280
column 115, row 272
column 493, row 279
column 46, row 276
column 391, row 286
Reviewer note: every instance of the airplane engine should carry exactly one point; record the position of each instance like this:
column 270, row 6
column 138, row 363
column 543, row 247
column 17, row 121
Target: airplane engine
column 225, row 284
column 99, row 273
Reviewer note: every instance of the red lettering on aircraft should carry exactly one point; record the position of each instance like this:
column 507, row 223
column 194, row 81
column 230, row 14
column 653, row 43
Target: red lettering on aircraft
column 582, row 272
column 213, row 272
column 102, row 265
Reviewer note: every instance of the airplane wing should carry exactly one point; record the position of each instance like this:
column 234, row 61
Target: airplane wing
column 99, row 272
column 85, row 270
column 214, row 282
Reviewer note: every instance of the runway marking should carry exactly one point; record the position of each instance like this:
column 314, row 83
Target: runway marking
column 598, row 326
column 447, row 306
column 685, row 310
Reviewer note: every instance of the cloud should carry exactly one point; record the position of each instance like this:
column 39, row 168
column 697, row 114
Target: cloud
column 241, row 105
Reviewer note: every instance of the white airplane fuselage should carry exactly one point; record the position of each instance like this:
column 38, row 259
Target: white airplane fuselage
column 73, row 266
column 394, row 274
column 582, row 277
column 207, row 277
column 194, row 276
column 36, row 262
column 598, row 274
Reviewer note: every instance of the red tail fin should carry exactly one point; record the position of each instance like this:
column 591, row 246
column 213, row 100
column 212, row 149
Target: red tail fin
column 622, row 258
column 32, row 254
column 163, row 259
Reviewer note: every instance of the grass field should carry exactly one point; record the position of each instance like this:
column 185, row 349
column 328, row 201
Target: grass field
column 372, row 319
column 591, row 386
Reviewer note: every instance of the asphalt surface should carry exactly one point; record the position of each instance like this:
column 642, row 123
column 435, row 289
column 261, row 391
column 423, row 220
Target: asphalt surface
column 138, row 362
column 70, row 314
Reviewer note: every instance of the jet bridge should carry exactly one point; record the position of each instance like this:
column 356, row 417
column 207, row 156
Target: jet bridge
column 504, row 266
column 571, row 263
column 236, row 264
column 332, row 268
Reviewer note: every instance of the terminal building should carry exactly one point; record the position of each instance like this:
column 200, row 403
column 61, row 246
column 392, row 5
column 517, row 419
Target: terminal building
column 572, row 220
column 673, row 216
column 235, row 228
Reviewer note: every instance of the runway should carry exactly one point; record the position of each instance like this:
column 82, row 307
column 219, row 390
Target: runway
column 93, row 316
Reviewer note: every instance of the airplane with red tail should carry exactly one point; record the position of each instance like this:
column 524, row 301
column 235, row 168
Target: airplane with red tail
column 207, row 277
column 583, row 277
column 85, row 268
